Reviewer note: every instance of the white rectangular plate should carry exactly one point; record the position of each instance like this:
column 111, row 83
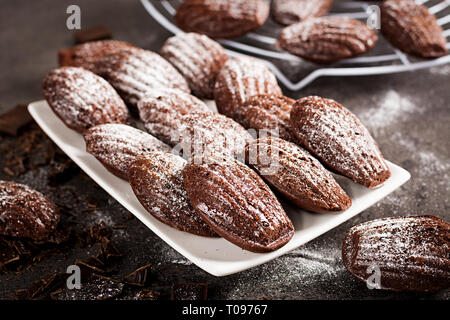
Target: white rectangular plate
column 216, row 256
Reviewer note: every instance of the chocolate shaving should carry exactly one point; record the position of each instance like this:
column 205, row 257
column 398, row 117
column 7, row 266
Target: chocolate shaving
column 139, row 277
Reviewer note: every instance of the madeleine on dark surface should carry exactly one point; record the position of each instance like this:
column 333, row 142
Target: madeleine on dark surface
column 157, row 182
column 82, row 99
column 410, row 253
column 26, row 213
column 236, row 203
column 296, row 174
column 339, row 140
column 117, row 146
column 221, row 18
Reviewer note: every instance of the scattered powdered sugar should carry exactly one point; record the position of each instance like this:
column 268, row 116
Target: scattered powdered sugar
column 392, row 109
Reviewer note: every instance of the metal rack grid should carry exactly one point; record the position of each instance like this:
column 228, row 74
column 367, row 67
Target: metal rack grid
column 261, row 44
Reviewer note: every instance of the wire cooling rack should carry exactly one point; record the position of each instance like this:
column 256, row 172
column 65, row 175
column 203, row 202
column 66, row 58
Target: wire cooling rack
column 295, row 73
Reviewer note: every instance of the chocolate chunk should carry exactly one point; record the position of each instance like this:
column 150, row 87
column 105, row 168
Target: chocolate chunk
column 139, row 277
column 14, row 119
column 189, row 291
column 92, row 34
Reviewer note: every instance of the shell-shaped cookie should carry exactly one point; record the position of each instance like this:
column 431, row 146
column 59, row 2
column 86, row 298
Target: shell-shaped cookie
column 134, row 72
column 288, row 12
column 296, row 174
column 212, row 133
column 198, row 58
column 327, row 39
column 268, row 112
column 86, row 55
column 26, row 213
column 400, row 253
column 339, row 140
column 240, row 79
column 162, row 112
column 412, row 28
column 221, row 18
column 235, row 202
column 82, row 99
column 157, row 182
column 117, row 146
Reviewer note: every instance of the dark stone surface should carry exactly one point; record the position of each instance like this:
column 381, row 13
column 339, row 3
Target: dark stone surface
column 408, row 114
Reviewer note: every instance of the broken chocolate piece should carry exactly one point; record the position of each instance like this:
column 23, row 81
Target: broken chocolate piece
column 139, row 277
column 14, row 119
column 92, row 34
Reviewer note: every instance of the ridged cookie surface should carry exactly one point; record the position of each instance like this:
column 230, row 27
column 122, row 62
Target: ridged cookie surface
column 134, row 72
column 327, row 39
column 237, row 204
column 82, row 99
column 339, row 140
column 26, row 213
column 240, row 79
column 412, row 28
column 221, row 18
column 408, row 253
column 117, row 146
column 296, row 174
column 87, row 54
column 162, row 112
column 198, row 58
column 212, row 133
column 157, row 182
column 292, row 11
column 268, row 112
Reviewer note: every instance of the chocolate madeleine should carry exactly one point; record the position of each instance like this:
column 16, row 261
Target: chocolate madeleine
column 400, row 253
column 26, row 213
column 157, row 182
column 236, row 203
column 212, row 133
column 198, row 58
column 268, row 112
column 411, row 28
column 327, row 39
column 117, row 146
column 292, row 11
column 82, row 99
column 162, row 112
column 134, row 72
column 87, row 54
column 240, row 79
column 221, row 18
column 296, row 174
column 339, row 140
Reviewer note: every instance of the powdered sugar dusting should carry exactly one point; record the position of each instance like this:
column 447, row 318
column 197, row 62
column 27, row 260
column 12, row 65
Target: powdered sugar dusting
column 118, row 145
column 198, row 58
column 240, row 79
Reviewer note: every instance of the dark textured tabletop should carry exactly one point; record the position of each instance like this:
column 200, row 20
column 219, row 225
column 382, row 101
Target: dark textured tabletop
column 407, row 113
